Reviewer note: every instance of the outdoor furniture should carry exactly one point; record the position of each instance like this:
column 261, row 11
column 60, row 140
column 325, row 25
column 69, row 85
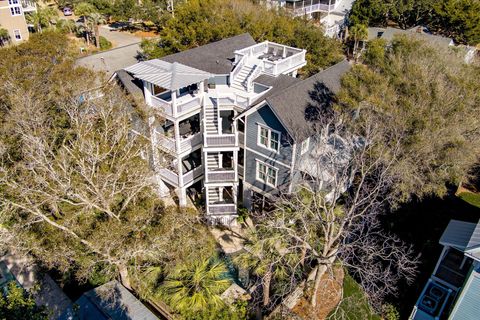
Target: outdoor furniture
column 270, row 53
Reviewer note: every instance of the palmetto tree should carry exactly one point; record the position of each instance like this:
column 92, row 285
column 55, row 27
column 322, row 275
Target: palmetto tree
column 4, row 36
column 42, row 18
column 92, row 19
column 196, row 286
column 358, row 32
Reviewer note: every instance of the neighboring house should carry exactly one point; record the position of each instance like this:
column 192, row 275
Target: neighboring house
column 331, row 13
column 230, row 120
column 111, row 60
column 468, row 53
column 12, row 18
column 111, row 301
column 453, row 290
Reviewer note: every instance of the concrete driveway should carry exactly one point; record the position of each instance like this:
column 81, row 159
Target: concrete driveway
column 118, row 38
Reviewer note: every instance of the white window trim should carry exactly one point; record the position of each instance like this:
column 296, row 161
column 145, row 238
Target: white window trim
column 14, row 14
column 257, row 176
column 13, row 2
column 305, row 146
column 19, row 33
column 270, row 130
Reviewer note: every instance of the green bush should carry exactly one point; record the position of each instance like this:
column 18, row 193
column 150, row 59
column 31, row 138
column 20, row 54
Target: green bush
column 104, row 43
column 471, row 198
column 389, row 312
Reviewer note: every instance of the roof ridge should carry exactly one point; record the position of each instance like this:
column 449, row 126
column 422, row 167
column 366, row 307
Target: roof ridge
column 299, row 83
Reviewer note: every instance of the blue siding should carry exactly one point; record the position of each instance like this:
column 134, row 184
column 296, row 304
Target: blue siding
column 267, row 118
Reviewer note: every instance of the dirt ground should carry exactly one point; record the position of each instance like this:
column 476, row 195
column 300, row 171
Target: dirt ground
column 329, row 295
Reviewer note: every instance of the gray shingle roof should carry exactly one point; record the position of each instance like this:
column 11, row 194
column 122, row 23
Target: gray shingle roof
column 464, row 236
column 122, row 305
column 111, row 60
column 293, row 103
column 215, row 57
column 389, row 33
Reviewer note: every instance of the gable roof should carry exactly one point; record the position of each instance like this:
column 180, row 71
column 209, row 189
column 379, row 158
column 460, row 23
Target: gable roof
column 215, row 57
column 93, row 305
column 464, row 236
column 467, row 306
column 389, row 33
column 291, row 104
column 167, row 75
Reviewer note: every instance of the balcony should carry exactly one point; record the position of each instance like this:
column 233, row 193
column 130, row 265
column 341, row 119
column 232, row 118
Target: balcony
column 172, row 178
column 192, row 175
column 221, row 176
column 222, row 208
column 272, row 58
column 28, row 6
column 182, row 105
column 169, row 145
column 221, row 140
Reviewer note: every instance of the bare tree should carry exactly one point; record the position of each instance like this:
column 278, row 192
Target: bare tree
column 342, row 187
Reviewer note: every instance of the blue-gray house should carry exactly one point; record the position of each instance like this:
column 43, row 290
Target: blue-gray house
column 453, row 290
column 230, row 121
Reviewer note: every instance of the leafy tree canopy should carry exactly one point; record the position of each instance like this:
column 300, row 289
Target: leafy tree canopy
column 459, row 19
column 16, row 303
column 199, row 22
column 430, row 100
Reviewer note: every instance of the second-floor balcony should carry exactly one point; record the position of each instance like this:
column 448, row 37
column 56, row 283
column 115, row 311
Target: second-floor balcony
column 303, row 7
column 170, row 176
column 28, row 6
column 168, row 144
column 181, row 105
column 220, row 175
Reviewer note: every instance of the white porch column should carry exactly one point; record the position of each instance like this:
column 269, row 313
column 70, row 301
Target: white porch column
column 148, row 91
column 182, row 196
column 174, row 103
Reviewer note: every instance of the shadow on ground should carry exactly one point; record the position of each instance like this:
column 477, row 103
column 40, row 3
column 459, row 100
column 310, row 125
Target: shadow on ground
column 421, row 223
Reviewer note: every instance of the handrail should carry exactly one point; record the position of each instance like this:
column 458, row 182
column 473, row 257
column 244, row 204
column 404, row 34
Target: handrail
column 237, row 68
column 255, row 73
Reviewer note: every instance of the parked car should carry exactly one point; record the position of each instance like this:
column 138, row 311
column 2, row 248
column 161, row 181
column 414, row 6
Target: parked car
column 67, row 11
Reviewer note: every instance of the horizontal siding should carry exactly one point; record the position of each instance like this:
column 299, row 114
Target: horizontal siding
column 283, row 175
column 266, row 117
column 468, row 305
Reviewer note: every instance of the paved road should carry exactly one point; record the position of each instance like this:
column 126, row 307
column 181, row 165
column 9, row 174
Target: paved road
column 118, row 39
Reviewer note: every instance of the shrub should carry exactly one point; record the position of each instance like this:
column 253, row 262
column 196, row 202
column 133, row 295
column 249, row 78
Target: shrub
column 104, row 43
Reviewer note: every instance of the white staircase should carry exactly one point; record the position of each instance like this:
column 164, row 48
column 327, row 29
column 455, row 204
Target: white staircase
column 240, row 81
column 212, row 161
column 213, row 195
column 211, row 120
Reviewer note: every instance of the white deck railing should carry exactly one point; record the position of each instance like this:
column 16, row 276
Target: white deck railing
column 221, row 176
column 220, row 208
column 238, row 66
column 256, row 72
column 162, row 105
column 286, row 64
column 182, row 105
column 192, row 174
column 221, row 140
column 168, row 144
column 169, row 176
column 187, row 105
column 306, row 8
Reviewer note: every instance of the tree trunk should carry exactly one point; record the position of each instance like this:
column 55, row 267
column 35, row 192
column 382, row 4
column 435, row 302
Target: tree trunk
column 97, row 36
column 124, row 278
column 267, row 279
column 323, row 265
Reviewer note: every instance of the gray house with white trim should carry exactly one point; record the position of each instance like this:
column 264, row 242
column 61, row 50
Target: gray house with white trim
column 453, row 290
column 230, row 119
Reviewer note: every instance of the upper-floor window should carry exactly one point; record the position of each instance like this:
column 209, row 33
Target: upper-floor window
column 267, row 174
column 305, row 146
column 15, row 11
column 11, row 2
column 268, row 138
column 17, row 34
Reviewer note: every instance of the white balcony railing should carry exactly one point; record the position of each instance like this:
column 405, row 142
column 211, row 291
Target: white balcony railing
column 284, row 65
column 221, row 176
column 169, row 145
column 305, row 8
column 182, row 105
column 169, row 176
column 221, row 140
column 220, row 208
column 192, row 175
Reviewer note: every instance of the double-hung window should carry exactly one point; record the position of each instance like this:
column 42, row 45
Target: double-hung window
column 266, row 174
column 18, row 35
column 268, row 138
column 12, row 2
column 15, row 11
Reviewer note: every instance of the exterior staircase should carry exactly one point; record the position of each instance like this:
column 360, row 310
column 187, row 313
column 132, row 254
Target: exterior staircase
column 212, row 161
column 211, row 120
column 240, row 81
column 213, row 195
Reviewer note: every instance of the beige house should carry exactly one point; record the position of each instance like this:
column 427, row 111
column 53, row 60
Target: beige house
column 12, row 18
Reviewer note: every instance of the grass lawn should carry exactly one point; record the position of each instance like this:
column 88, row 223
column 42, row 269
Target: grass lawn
column 354, row 304
column 471, row 198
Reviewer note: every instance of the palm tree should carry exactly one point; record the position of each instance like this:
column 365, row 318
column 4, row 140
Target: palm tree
column 92, row 19
column 358, row 32
column 66, row 25
column 4, row 37
column 42, row 18
column 267, row 257
column 196, row 286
